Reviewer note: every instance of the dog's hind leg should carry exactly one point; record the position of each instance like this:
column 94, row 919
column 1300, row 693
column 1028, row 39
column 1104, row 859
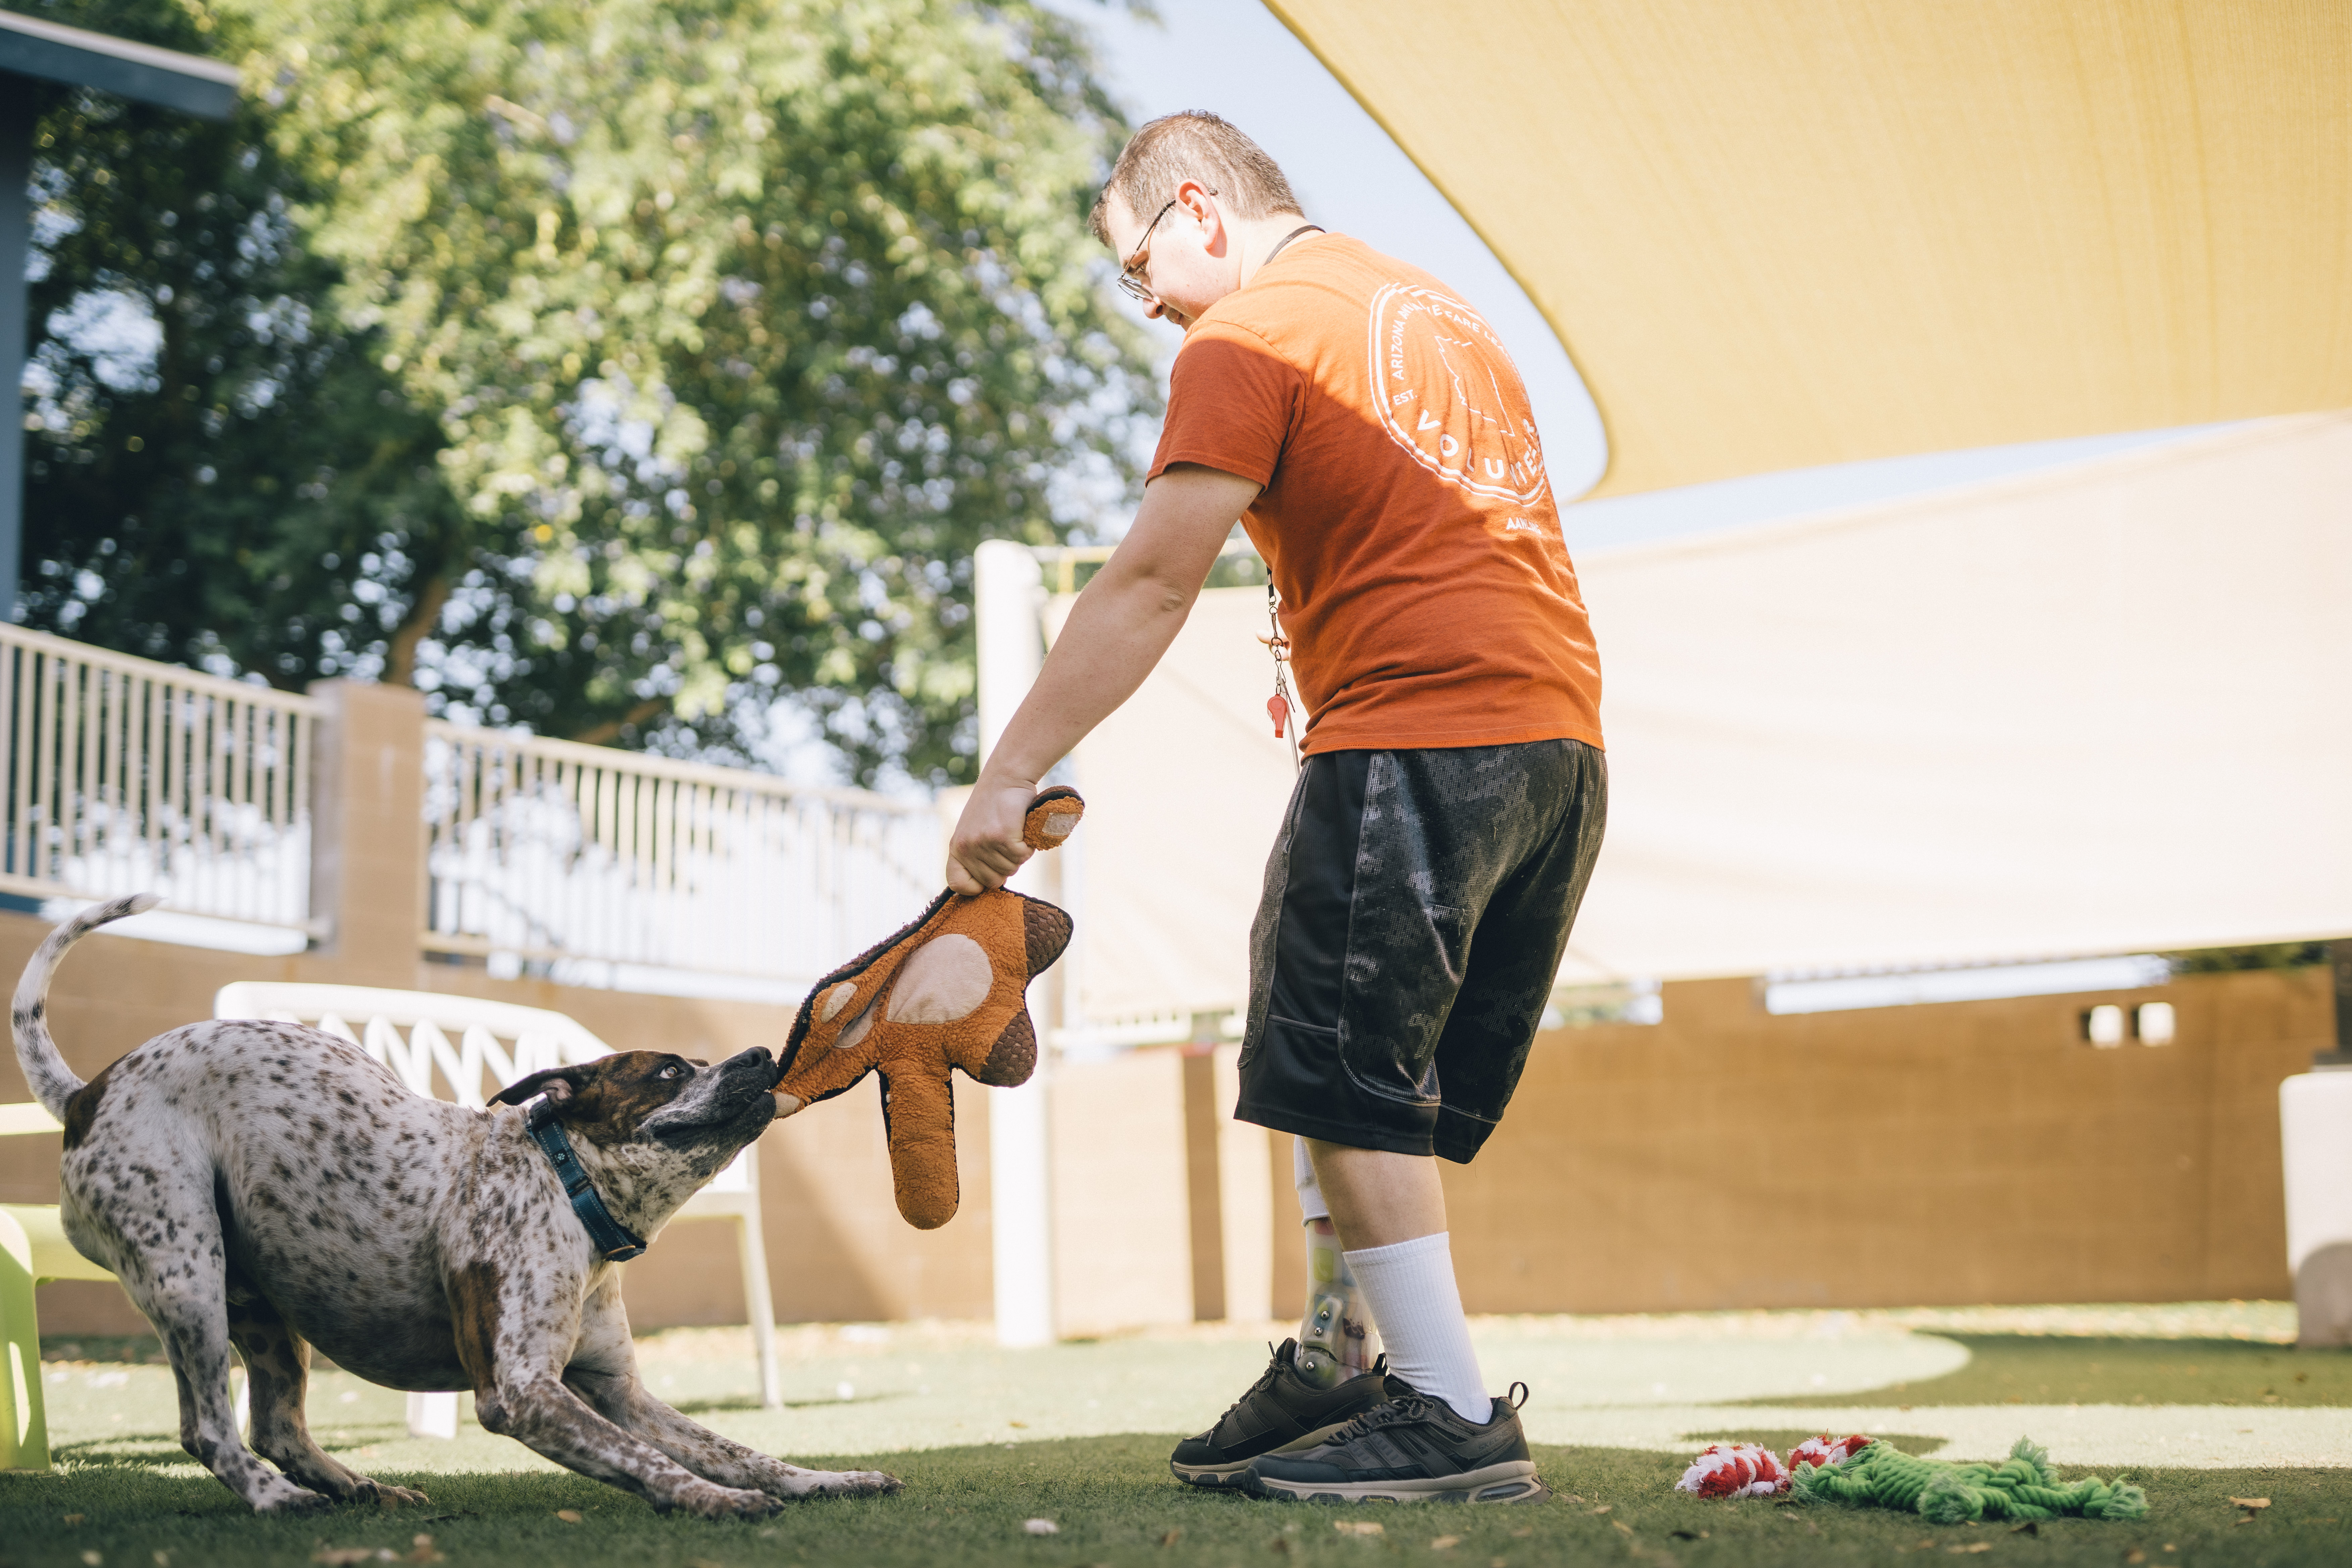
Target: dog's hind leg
column 278, row 1367
column 167, row 1252
column 603, row 1372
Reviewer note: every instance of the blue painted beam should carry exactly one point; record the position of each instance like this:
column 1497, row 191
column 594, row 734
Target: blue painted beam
column 30, row 46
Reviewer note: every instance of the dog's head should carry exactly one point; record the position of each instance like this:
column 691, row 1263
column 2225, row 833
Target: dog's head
column 638, row 1104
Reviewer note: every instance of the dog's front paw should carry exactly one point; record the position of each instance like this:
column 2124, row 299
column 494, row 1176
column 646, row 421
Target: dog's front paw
column 287, row 1498
column 384, row 1495
column 710, row 1500
column 845, row 1483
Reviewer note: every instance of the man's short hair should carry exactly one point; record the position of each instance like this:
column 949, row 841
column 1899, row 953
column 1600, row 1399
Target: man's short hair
column 1192, row 145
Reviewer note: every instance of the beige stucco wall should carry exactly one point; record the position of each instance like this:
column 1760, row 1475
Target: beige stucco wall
column 836, row 1246
column 1973, row 1152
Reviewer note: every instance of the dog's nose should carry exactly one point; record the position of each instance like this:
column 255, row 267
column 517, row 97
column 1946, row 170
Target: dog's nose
column 756, row 1057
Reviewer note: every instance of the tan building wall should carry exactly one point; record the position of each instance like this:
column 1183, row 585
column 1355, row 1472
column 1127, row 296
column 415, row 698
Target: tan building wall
column 1964, row 1152
column 1975, row 1152
column 836, row 1248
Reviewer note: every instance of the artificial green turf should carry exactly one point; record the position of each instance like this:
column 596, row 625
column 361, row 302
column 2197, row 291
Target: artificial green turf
column 1114, row 1503
column 2049, row 1369
column 495, row 1503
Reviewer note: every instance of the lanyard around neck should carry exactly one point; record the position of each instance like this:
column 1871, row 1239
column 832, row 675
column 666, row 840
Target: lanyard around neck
column 1293, row 234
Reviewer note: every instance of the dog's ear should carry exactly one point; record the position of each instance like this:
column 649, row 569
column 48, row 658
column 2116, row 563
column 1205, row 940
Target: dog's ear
column 559, row 1084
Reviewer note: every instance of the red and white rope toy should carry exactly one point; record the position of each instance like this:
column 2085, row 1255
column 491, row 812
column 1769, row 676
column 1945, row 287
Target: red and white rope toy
column 1825, row 1450
column 1749, row 1469
column 1735, row 1469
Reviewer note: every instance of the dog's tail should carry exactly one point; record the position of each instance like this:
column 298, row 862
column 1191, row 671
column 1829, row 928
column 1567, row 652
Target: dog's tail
column 53, row 1083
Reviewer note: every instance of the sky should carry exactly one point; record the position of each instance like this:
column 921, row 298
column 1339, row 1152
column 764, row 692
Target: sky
column 1235, row 58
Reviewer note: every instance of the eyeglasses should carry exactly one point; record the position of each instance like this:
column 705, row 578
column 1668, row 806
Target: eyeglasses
column 1130, row 278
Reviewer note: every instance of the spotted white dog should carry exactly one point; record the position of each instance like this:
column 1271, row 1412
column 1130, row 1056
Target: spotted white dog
column 269, row 1186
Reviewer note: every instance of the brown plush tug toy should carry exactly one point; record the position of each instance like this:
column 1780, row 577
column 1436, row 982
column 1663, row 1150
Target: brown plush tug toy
column 947, row 991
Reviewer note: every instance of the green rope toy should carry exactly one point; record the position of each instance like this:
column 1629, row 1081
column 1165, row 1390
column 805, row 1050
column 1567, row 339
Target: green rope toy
column 2021, row 1486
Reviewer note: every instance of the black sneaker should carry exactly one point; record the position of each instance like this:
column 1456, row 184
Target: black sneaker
column 1280, row 1408
column 1413, row 1448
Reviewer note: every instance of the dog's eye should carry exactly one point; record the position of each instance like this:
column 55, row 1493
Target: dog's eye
column 672, row 1070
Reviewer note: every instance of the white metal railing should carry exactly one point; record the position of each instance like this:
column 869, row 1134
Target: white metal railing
column 549, row 849
column 125, row 776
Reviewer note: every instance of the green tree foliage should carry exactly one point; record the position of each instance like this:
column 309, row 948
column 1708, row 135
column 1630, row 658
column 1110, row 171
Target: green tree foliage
column 737, row 327
column 750, row 321
column 220, row 476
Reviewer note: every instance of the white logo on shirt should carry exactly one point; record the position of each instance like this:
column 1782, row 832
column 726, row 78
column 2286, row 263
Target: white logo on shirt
column 1449, row 394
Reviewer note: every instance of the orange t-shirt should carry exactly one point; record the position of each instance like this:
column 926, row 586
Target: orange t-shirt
column 1405, row 515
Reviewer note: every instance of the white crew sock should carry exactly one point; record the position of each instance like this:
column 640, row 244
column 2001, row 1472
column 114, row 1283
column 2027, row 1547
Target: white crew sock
column 1410, row 1288
column 1311, row 1206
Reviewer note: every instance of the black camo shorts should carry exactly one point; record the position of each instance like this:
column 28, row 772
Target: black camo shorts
column 1416, row 907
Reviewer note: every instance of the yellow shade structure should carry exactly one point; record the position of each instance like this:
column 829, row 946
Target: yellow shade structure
column 1780, row 233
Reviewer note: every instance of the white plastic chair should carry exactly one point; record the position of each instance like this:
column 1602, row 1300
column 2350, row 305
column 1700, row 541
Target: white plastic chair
column 411, row 1032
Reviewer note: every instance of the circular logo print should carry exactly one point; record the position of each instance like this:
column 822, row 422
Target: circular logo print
column 1448, row 393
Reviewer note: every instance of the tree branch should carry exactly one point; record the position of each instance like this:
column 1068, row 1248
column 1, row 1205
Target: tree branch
column 400, row 659
column 610, row 729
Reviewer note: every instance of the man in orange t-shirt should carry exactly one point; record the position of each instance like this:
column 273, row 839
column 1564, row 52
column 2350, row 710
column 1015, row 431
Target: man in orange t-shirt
column 1374, row 439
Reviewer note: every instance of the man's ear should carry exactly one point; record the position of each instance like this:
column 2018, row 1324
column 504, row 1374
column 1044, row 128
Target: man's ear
column 559, row 1084
column 1200, row 205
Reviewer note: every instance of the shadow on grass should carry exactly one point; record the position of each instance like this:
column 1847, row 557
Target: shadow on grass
column 2050, row 1369
column 1781, row 1440
column 751, row 1402
column 1112, row 1501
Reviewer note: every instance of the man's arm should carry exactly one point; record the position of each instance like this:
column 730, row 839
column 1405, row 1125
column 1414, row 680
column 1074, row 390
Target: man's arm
column 1116, row 631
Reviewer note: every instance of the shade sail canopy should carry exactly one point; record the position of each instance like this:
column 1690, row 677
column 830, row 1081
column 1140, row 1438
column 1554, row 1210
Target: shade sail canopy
column 2093, row 709
column 1777, row 235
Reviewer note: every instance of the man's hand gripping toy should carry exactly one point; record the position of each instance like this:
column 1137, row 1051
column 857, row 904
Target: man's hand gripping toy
column 946, row 991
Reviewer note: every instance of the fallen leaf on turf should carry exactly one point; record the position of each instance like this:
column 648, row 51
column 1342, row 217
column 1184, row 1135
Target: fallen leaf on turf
column 1445, row 1543
column 1971, row 1546
column 1359, row 1526
column 1522, row 1533
column 75, row 1518
column 1498, row 1562
column 1173, row 1536
column 568, row 1515
column 2030, row 1527
column 2252, row 1501
column 2135, row 1555
column 421, row 1549
column 1041, row 1527
column 163, row 1560
column 93, row 1558
column 1016, row 1424
column 1600, row 1507
column 1620, row 1524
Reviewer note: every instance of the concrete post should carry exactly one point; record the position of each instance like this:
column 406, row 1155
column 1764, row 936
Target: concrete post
column 367, row 844
column 1204, row 1188
column 1008, row 588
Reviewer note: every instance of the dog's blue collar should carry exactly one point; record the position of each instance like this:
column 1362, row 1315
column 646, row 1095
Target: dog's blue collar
column 612, row 1241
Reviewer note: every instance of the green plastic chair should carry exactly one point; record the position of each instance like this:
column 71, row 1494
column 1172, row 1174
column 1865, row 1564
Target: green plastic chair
column 33, row 1247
